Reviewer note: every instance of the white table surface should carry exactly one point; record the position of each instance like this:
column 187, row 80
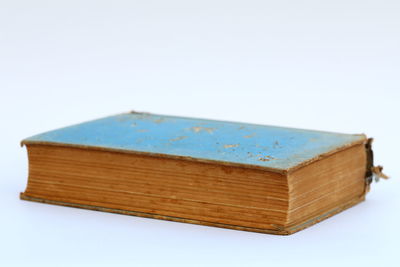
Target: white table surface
column 307, row 64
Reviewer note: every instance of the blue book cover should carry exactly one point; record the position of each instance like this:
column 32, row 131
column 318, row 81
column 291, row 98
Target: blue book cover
column 260, row 146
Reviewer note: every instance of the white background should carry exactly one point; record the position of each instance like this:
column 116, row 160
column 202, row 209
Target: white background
column 327, row 65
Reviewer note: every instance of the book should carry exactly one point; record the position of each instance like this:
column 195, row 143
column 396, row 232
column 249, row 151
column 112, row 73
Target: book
column 233, row 175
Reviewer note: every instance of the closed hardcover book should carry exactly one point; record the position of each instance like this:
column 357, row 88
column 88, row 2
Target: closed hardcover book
column 234, row 175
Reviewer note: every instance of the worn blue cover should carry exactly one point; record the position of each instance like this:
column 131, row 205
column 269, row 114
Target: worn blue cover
column 229, row 142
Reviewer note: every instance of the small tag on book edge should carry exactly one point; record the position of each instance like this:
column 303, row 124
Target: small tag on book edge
column 373, row 173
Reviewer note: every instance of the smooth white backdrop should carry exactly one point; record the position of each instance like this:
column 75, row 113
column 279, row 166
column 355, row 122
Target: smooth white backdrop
column 326, row 65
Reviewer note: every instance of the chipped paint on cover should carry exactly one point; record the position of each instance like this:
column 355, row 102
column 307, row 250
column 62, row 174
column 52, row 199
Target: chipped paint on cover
column 250, row 144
